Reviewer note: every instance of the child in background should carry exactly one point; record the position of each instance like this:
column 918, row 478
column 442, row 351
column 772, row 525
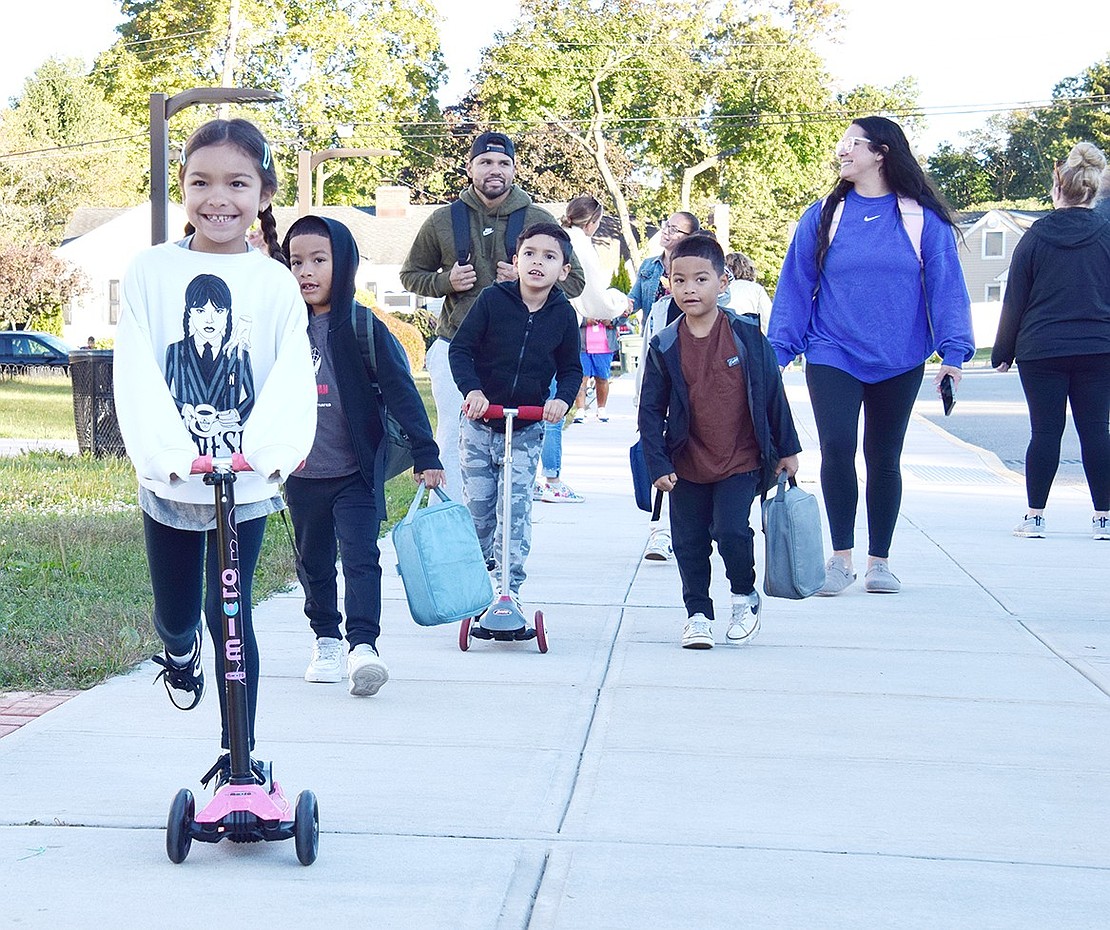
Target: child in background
column 713, row 457
column 516, row 337
column 211, row 356
column 745, row 294
column 337, row 501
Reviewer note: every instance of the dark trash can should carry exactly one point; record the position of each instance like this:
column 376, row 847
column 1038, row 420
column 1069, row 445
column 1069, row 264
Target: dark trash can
column 94, row 405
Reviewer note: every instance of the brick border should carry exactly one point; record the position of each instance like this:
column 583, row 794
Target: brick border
column 18, row 708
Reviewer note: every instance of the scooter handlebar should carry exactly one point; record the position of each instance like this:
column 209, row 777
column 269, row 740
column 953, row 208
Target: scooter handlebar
column 204, row 464
column 497, row 412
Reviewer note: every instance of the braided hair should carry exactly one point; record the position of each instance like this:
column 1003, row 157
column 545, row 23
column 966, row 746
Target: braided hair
column 248, row 138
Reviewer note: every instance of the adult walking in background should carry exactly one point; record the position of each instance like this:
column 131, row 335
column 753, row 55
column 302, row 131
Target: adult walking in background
column 870, row 288
column 745, row 293
column 598, row 306
column 1056, row 322
column 491, row 206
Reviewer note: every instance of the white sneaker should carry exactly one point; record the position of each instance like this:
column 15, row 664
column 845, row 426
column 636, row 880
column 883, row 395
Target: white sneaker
column 744, row 625
column 659, row 546
column 1032, row 527
column 326, row 665
column 366, row 671
column 698, row 633
column 1100, row 528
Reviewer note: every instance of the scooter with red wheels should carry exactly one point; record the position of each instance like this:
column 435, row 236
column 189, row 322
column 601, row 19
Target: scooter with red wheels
column 248, row 806
column 503, row 621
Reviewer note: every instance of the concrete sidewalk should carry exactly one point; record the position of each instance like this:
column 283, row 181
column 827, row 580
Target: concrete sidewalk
column 932, row 759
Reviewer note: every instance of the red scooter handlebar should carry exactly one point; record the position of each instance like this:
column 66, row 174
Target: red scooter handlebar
column 497, row 412
column 203, row 464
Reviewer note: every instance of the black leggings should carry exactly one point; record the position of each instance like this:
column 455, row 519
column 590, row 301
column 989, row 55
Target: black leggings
column 1050, row 385
column 837, row 397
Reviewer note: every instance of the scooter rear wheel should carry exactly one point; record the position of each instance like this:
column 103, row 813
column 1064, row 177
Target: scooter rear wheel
column 464, row 633
column 306, row 827
column 541, row 632
column 179, row 825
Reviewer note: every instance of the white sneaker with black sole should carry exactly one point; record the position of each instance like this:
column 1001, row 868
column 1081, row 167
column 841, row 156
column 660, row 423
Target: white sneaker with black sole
column 698, row 633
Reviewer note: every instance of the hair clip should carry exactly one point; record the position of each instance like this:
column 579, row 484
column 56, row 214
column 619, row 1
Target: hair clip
column 265, row 155
column 182, row 153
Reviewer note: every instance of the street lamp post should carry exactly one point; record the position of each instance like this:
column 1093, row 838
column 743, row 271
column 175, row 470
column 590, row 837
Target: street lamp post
column 162, row 107
column 307, row 162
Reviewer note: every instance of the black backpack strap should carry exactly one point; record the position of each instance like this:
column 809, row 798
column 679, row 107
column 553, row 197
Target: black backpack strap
column 362, row 321
column 513, row 228
column 460, row 227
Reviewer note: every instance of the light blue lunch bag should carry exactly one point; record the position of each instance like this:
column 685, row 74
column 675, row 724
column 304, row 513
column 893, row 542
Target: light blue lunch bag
column 440, row 561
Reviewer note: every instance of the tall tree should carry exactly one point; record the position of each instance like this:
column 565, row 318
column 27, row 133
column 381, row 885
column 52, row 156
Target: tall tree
column 65, row 146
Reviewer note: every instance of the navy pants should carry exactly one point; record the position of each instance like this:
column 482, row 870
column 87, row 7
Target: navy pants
column 1050, row 385
column 837, row 398
column 338, row 517
column 184, row 574
column 703, row 514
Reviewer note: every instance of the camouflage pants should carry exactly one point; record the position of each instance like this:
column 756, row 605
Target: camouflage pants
column 482, row 457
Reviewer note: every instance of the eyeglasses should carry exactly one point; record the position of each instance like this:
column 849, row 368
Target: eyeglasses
column 848, row 143
column 675, row 230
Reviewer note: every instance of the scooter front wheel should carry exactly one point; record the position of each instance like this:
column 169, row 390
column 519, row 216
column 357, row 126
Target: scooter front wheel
column 306, row 827
column 464, row 633
column 179, row 826
column 541, row 632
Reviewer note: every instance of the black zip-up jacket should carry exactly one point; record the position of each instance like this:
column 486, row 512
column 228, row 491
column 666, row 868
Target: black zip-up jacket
column 360, row 404
column 511, row 354
column 664, row 417
column 1058, row 292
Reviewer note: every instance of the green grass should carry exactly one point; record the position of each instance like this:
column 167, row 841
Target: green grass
column 36, row 406
column 74, row 590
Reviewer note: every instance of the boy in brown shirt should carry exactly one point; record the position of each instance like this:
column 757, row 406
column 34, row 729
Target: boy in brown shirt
column 716, row 431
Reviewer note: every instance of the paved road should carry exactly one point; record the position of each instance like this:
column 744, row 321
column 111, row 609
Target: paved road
column 990, row 412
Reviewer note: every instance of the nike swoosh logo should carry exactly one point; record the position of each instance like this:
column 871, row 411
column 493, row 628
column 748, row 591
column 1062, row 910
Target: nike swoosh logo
column 868, row 219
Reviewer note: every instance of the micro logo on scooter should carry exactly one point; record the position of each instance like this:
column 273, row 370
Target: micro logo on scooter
column 233, row 648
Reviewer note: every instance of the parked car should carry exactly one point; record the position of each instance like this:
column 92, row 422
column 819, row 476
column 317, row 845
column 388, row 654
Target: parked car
column 22, row 350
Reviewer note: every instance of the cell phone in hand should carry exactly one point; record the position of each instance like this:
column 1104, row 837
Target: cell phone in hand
column 947, row 394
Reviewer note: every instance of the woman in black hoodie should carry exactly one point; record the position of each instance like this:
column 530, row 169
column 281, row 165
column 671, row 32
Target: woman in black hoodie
column 1056, row 323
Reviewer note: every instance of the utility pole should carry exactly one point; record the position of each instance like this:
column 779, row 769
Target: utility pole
column 224, row 110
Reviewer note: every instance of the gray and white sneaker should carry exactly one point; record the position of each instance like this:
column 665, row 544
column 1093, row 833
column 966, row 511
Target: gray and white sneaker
column 698, row 633
column 1100, row 528
column 366, row 671
column 659, row 546
column 837, row 576
column 1032, row 527
column 744, row 625
column 880, row 580
column 326, row 664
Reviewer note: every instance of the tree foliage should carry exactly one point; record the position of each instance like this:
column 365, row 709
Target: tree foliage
column 66, row 147
column 34, row 287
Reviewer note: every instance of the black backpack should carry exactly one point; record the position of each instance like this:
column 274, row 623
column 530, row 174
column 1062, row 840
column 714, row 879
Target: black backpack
column 398, row 451
column 460, row 227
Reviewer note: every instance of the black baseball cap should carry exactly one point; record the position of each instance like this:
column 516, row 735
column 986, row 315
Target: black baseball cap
column 492, row 142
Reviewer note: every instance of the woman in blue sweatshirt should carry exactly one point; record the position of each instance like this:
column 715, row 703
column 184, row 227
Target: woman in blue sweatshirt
column 867, row 309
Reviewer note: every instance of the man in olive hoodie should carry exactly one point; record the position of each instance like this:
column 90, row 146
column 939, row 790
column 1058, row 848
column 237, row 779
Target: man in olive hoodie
column 434, row 269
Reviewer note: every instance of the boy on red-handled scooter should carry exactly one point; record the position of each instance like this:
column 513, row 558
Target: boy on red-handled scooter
column 517, row 336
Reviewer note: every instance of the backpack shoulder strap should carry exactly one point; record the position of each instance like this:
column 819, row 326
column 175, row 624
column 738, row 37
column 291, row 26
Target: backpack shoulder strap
column 913, row 219
column 513, row 228
column 362, row 321
column 837, row 214
column 460, row 229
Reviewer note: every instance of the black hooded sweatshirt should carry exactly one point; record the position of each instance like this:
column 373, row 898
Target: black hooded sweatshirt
column 360, row 405
column 1058, row 293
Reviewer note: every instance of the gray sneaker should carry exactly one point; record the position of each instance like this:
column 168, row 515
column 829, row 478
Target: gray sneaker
column 837, row 576
column 1032, row 527
column 880, row 580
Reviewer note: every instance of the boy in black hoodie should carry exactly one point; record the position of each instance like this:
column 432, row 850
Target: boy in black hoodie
column 337, row 500
column 516, row 337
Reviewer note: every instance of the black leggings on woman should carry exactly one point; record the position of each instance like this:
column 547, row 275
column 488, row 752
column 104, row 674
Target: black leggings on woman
column 1050, row 385
column 837, row 397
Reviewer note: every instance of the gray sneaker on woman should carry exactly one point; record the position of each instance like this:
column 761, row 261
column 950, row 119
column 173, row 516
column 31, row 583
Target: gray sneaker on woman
column 837, row 576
